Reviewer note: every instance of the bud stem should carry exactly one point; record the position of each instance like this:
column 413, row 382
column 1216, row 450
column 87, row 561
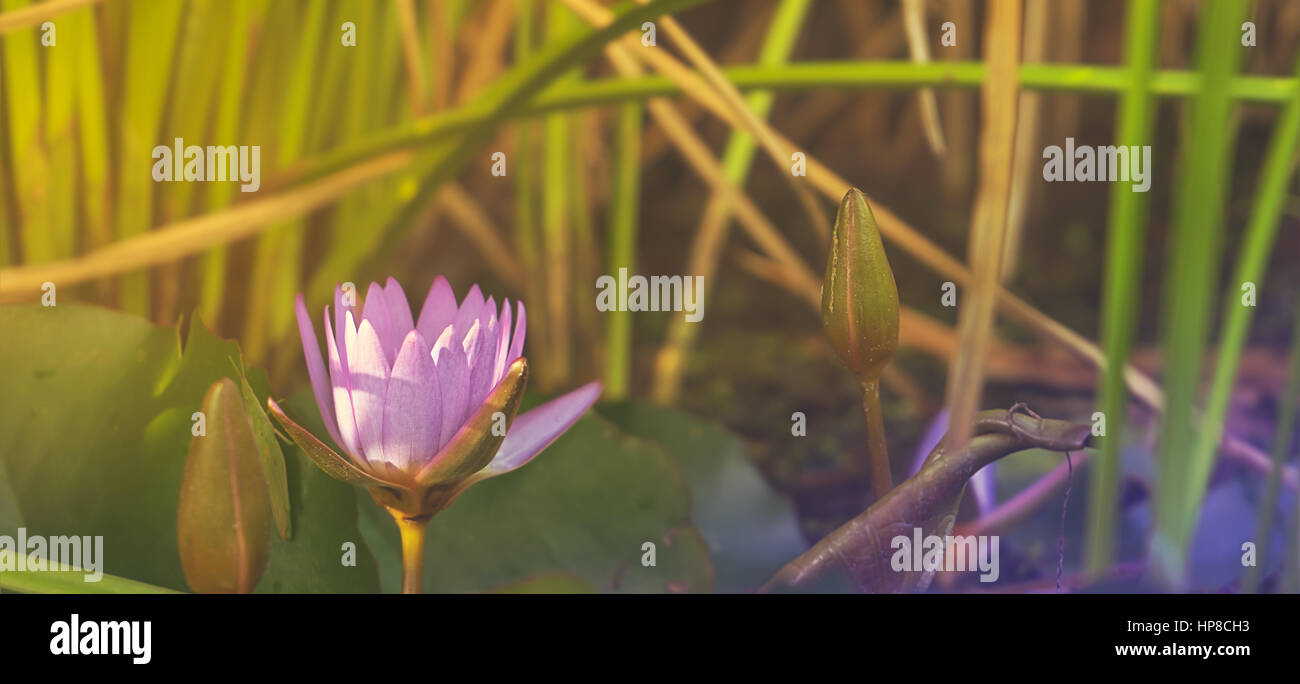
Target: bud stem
column 878, row 453
column 412, row 531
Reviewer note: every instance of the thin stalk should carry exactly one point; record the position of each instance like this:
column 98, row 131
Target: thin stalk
column 557, row 224
column 525, row 134
column 882, row 480
column 14, row 19
column 213, row 283
column 372, row 68
column 711, row 235
column 22, row 92
column 59, row 124
column 1252, row 265
column 413, row 533
column 277, row 261
column 1281, row 444
column 999, row 97
column 93, row 137
column 622, row 244
column 803, row 76
column 151, row 33
column 584, row 127
column 1191, row 277
column 1126, row 234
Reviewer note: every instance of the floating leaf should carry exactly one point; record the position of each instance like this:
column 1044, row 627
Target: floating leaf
column 95, row 419
column 586, row 506
column 751, row 529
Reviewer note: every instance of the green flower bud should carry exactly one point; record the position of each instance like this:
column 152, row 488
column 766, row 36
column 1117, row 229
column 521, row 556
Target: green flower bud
column 223, row 522
column 859, row 297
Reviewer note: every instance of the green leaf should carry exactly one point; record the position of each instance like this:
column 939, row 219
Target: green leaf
column 270, row 455
column 70, row 580
column 547, row 583
column 585, row 506
column 10, row 517
column 95, row 424
column 751, row 529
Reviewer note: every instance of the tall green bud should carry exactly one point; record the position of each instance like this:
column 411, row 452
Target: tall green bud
column 859, row 297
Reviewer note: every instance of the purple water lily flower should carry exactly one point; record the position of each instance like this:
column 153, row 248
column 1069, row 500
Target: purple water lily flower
column 425, row 407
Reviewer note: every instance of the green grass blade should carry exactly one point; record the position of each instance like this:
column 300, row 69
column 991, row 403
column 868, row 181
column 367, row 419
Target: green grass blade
column 355, row 219
column 1252, row 262
column 525, row 139
column 225, row 130
column 60, row 137
column 69, row 580
column 736, row 162
column 1126, row 233
column 277, row 263
column 152, row 28
column 1191, row 275
column 512, row 91
column 1281, row 447
column 204, row 28
column 30, row 171
column 93, row 128
column 624, row 209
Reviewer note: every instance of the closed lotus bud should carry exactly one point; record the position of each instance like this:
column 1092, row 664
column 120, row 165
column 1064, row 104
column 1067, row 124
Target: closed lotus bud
column 859, row 297
column 223, row 522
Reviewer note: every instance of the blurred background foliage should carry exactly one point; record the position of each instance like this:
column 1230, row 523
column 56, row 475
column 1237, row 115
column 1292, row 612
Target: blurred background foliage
column 377, row 160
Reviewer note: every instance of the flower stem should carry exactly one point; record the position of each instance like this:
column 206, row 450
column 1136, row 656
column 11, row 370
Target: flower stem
column 412, row 531
column 881, row 479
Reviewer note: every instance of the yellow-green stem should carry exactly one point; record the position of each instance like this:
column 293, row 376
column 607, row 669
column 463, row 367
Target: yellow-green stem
column 881, row 479
column 412, row 531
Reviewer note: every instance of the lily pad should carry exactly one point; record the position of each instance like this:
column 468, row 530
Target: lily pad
column 586, row 507
column 751, row 529
column 95, row 420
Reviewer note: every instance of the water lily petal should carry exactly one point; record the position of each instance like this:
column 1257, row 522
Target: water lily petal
column 469, row 310
column 320, row 382
column 438, row 310
column 453, row 377
column 521, row 326
column 342, row 384
column 503, row 342
column 399, row 308
column 535, row 430
column 482, row 362
column 476, row 441
column 382, row 319
column 368, row 371
column 412, row 418
column 344, row 304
